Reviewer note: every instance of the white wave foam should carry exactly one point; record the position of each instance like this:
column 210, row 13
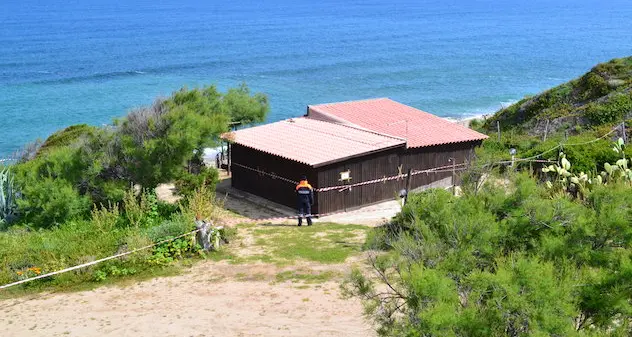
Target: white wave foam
column 481, row 113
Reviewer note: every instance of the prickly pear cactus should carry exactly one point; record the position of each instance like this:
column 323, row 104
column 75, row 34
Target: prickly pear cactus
column 564, row 181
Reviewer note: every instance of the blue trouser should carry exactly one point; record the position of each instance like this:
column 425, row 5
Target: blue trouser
column 304, row 209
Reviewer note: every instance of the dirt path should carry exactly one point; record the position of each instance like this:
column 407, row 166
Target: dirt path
column 260, row 290
column 196, row 304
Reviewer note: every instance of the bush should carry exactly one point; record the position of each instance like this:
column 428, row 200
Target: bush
column 170, row 228
column 150, row 146
column 203, row 204
column 593, row 85
column 611, row 111
column 59, row 182
column 51, row 202
column 509, row 261
column 187, row 183
column 105, row 219
column 166, row 253
column 153, row 144
column 66, row 137
column 141, row 211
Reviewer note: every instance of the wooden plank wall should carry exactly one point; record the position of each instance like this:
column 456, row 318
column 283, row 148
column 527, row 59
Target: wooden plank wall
column 385, row 164
column 276, row 190
column 373, row 166
column 436, row 156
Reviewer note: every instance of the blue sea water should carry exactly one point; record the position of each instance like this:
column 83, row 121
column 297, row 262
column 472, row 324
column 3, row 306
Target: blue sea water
column 89, row 61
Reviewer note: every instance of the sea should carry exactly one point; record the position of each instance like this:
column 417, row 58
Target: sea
column 64, row 62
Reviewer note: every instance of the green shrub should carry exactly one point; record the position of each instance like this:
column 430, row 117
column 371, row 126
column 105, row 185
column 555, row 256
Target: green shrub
column 112, row 191
column 611, row 111
column 169, row 228
column 593, row 85
column 167, row 210
column 153, row 143
column 187, row 183
column 112, row 270
column 105, row 219
column 141, row 211
column 50, row 202
column 168, row 252
column 511, row 260
column 150, row 146
column 66, row 137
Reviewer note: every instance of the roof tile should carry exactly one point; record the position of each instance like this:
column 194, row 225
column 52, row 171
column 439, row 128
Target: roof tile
column 311, row 141
column 388, row 117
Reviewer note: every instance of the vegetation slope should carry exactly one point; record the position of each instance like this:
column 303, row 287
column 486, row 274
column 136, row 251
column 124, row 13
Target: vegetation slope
column 88, row 192
column 545, row 251
column 601, row 96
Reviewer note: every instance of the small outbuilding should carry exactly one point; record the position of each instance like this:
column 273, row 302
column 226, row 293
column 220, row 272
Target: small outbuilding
column 353, row 153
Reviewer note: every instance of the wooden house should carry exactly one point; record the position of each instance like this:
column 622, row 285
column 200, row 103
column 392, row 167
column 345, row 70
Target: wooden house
column 356, row 148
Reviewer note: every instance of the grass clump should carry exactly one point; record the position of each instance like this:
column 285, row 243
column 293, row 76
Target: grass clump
column 305, row 277
column 322, row 243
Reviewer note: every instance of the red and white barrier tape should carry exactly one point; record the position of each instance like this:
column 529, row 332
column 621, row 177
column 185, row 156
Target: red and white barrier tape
column 94, row 262
column 340, row 188
column 395, row 177
column 282, row 218
column 91, row 263
column 441, row 169
column 271, row 175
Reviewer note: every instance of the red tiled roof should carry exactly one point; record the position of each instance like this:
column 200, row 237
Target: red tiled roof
column 313, row 142
column 388, row 117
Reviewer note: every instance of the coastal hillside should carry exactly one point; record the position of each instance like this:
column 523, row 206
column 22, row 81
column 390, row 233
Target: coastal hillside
column 602, row 96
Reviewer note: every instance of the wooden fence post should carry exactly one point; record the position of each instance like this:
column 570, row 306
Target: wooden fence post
column 407, row 186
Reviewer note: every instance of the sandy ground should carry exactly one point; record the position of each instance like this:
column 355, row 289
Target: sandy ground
column 204, row 302
column 370, row 215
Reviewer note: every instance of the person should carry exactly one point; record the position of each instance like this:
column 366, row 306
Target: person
column 305, row 194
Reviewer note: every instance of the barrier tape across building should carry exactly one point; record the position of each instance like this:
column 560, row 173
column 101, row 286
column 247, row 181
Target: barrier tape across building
column 441, row 169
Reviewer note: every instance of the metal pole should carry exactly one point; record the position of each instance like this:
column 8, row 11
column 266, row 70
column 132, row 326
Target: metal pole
column 407, row 185
column 498, row 127
column 453, row 175
column 228, row 160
